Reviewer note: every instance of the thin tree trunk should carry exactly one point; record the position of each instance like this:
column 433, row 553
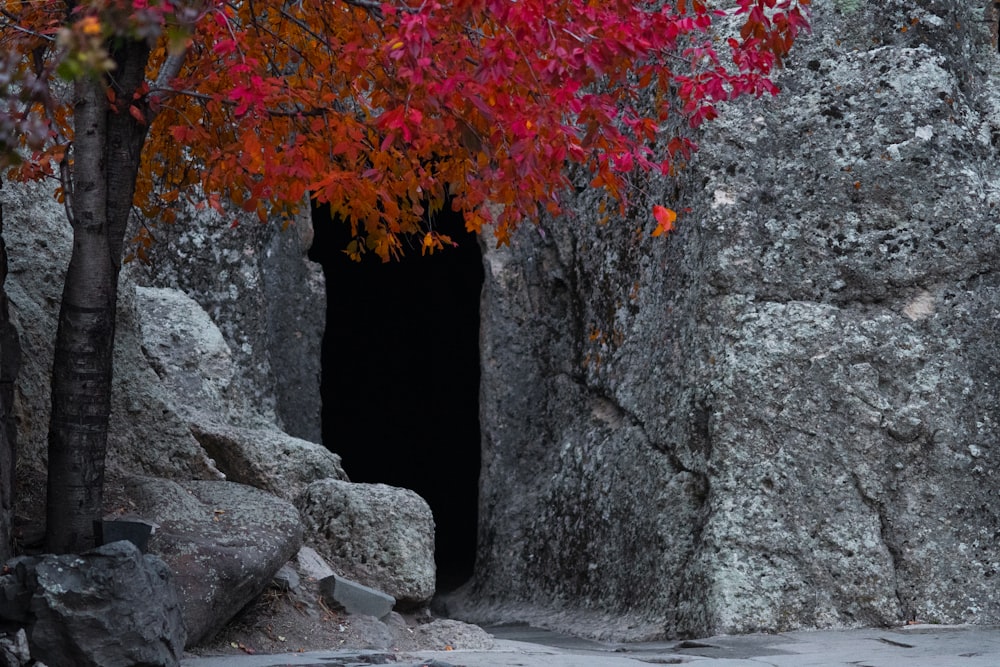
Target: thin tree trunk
column 106, row 151
column 81, row 370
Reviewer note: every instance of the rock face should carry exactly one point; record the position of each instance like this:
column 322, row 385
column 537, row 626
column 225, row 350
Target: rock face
column 223, row 541
column 195, row 364
column 785, row 415
column 38, row 240
column 10, row 361
column 266, row 297
column 110, row 607
column 378, row 535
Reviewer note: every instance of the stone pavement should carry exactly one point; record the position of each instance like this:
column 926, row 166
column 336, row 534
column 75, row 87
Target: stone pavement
column 522, row 646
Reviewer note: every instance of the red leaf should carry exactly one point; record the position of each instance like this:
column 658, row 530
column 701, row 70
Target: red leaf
column 665, row 218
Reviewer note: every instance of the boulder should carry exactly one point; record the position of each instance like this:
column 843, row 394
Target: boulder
column 38, row 240
column 377, row 535
column 267, row 458
column 194, row 362
column 223, row 541
column 267, row 299
column 783, row 415
column 109, row 607
column 187, row 351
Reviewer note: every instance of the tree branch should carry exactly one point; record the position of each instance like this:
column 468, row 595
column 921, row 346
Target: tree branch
column 171, row 68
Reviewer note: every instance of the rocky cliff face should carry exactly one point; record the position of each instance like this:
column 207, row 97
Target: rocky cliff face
column 38, row 239
column 266, row 297
column 785, row 415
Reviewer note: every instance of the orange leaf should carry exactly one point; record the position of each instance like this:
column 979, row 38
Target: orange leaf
column 665, row 218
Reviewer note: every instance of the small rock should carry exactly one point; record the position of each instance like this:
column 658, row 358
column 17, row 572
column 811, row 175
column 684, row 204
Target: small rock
column 286, row 578
column 14, row 650
column 312, row 565
column 444, row 633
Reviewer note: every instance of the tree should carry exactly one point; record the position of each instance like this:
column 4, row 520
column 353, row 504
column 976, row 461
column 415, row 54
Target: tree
column 387, row 111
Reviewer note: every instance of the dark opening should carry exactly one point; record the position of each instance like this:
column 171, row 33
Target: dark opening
column 401, row 376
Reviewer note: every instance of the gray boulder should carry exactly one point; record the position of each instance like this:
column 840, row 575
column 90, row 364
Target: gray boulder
column 38, row 240
column 110, row 607
column 377, row 535
column 223, row 541
column 267, row 299
column 785, row 414
column 267, row 458
column 188, row 353
column 194, row 362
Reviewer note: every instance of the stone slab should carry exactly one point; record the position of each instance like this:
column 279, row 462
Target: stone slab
column 355, row 598
column 312, row 565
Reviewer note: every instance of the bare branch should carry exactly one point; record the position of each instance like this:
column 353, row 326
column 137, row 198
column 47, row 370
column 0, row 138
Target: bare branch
column 15, row 26
column 371, row 6
column 171, row 68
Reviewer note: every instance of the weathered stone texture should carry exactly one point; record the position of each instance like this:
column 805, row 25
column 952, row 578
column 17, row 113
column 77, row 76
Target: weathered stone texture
column 38, row 239
column 194, row 363
column 266, row 297
column 109, row 607
column 785, row 415
column 223, row 541
column 378, row 535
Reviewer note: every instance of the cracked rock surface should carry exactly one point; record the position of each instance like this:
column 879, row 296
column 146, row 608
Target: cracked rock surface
column 785, row 415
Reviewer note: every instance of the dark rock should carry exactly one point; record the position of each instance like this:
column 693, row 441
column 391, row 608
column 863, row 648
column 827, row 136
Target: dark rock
column 109, row 607
column 224, row 542
column 10, row 361
column 135, row 531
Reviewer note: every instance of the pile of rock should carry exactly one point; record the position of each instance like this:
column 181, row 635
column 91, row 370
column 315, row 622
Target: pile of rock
column 201, row 457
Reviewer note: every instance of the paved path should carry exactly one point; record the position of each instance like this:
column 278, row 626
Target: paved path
column 913, row 646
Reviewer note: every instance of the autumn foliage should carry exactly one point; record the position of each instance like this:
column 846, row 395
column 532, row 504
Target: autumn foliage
column 385, row 108
column 387, row 111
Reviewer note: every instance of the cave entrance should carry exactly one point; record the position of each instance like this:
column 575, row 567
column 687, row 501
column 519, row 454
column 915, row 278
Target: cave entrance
column 400, row 382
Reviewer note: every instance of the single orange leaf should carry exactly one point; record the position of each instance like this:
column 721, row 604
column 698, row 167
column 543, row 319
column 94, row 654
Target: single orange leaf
column 665, row 219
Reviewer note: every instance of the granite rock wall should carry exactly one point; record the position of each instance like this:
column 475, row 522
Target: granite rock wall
column 785, row 414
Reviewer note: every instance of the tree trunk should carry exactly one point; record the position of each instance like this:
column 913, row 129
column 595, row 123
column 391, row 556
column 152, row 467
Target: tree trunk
column 10, row 361
column 106, row 154
column 81, row 370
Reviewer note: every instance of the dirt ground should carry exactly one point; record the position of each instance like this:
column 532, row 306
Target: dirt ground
column 292, row 621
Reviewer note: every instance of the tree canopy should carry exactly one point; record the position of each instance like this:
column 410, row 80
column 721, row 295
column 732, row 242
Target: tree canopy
column 387, row 111
column 385, row 108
